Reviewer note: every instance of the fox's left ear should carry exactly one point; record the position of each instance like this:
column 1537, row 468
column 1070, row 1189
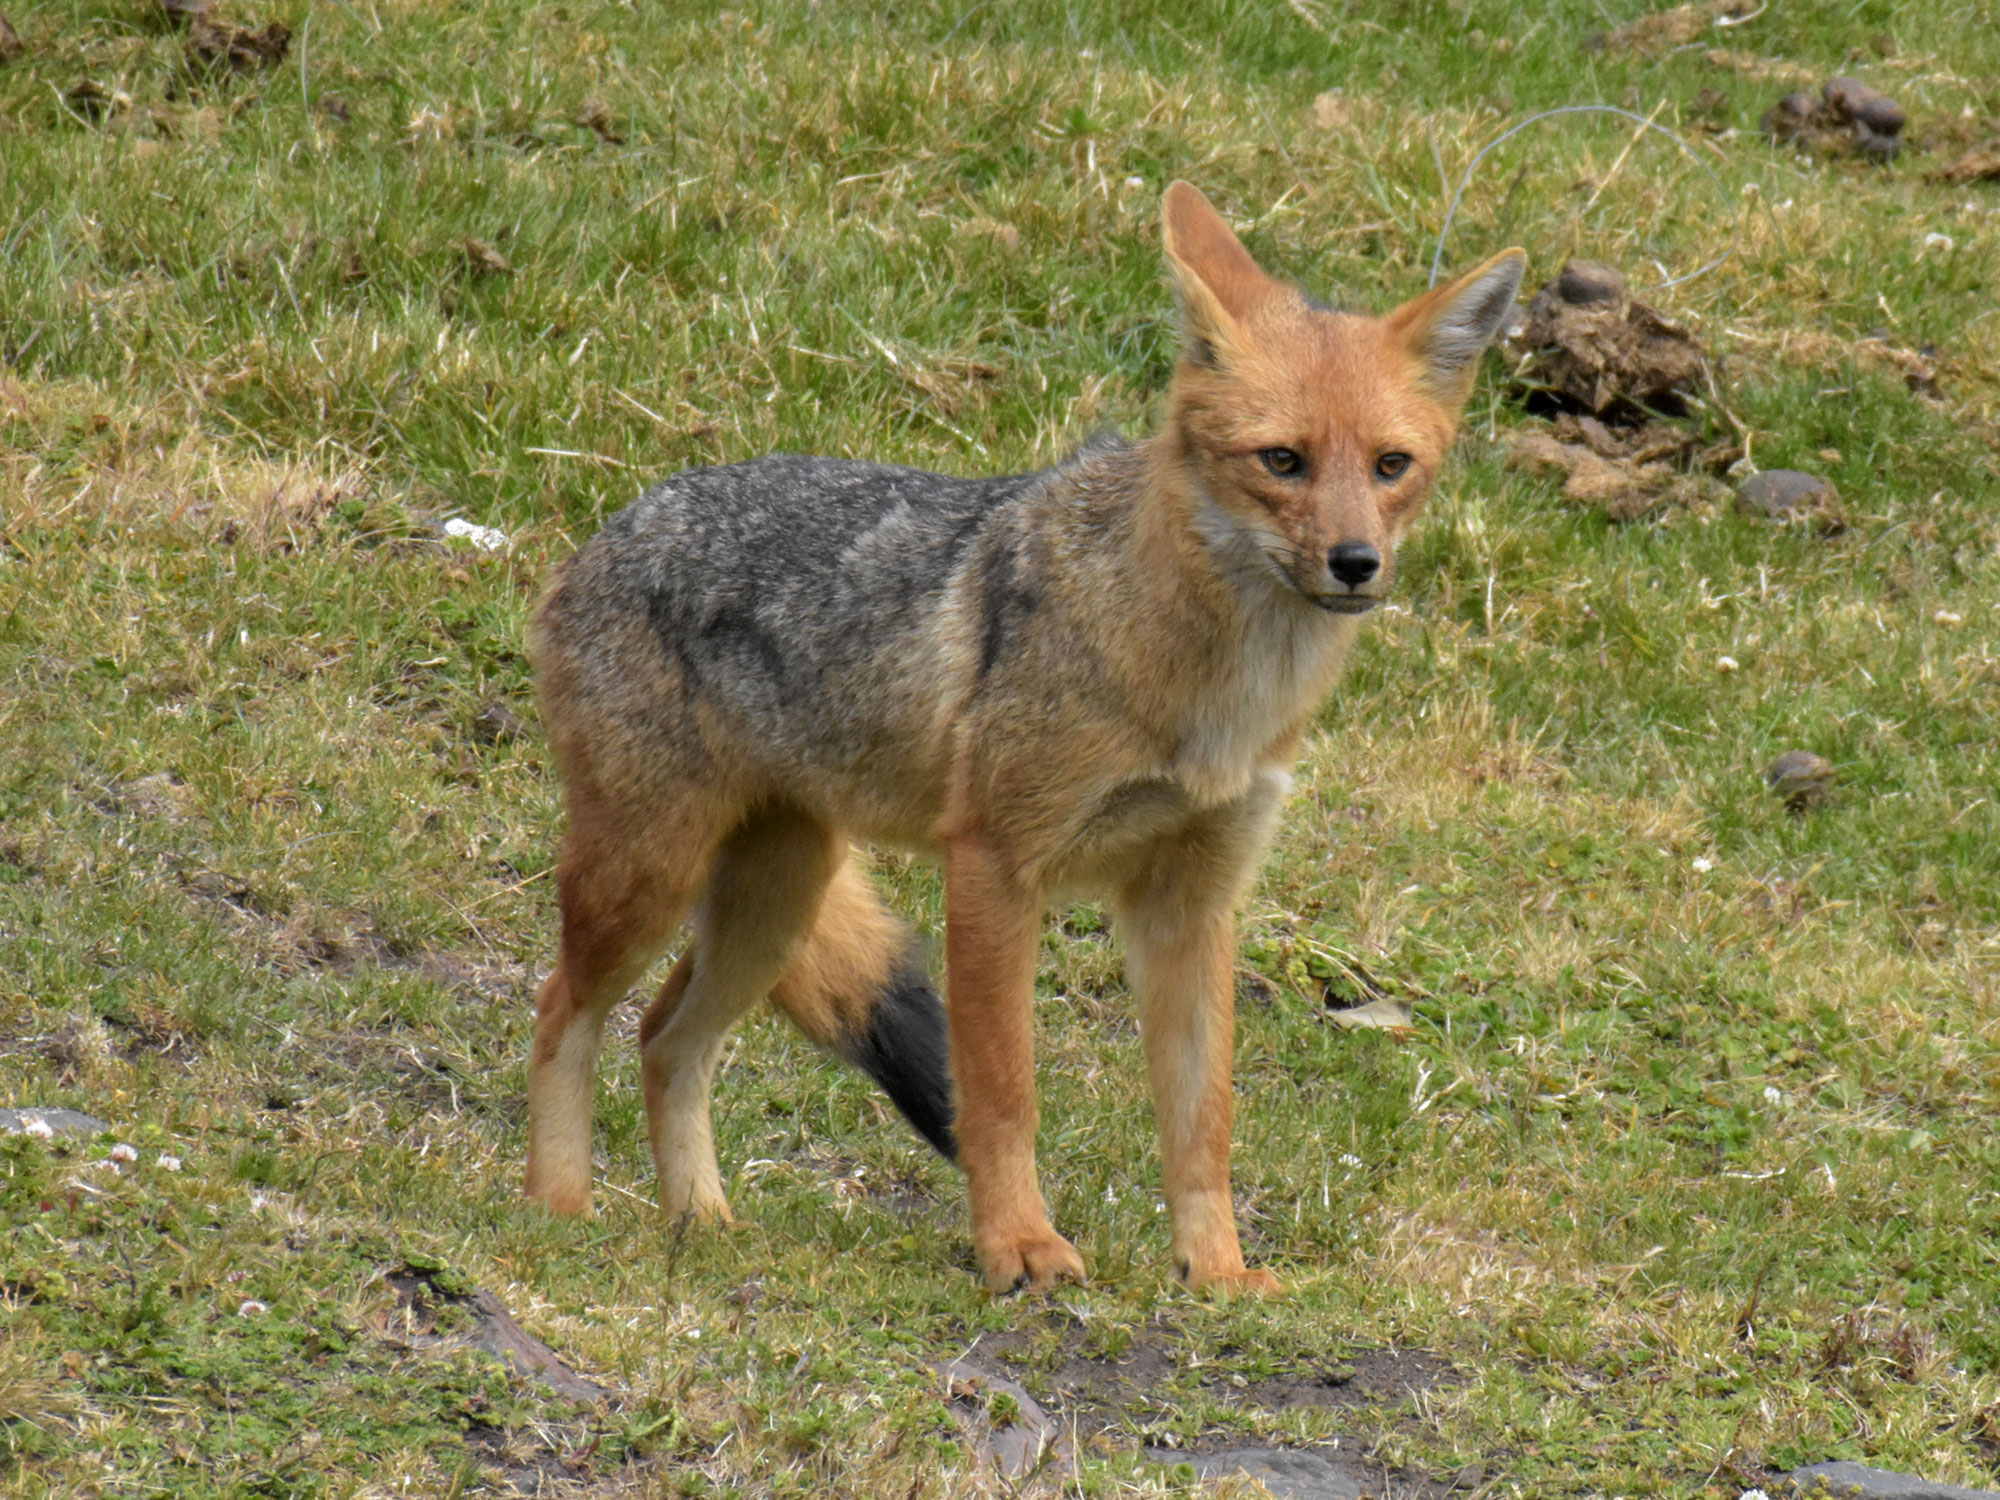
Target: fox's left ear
column 1450, row 325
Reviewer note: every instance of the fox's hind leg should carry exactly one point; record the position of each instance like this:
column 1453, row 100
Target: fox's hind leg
column 625, row 881
column 764, row 892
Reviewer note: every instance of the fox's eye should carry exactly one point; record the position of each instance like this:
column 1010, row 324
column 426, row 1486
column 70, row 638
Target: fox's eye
column 1283, row 462
column 1392, row 465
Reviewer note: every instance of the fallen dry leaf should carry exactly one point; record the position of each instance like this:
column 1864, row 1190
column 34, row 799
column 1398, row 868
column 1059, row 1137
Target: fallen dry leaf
column 11, row 45
column 1376, row 1015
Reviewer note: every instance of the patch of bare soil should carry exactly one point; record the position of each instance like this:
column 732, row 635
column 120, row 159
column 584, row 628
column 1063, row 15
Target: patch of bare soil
column 433, row 1313
column 1030, row 1396
column 211, row 46
column 342, row 943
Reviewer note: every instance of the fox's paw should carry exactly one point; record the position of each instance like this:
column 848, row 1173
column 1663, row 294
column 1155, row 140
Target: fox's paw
column 698, row 1207
column 1238, row 1281
column 1029, row 1262
column 568, row 1198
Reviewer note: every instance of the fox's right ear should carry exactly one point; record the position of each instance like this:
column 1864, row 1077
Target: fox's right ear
column 1218, row 280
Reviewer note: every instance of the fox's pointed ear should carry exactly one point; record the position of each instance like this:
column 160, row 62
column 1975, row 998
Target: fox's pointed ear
column 1450, row 325
column 1218, row 280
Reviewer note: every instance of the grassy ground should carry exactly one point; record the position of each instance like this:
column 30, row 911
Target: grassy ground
column 1691, row 1168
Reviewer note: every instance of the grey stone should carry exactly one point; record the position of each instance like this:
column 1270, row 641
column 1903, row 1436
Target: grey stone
column 1785, row 493
column 61, row 1121
column 1800, row 777
column 1870, row 108
column 1860, row 1482
column 1286, row 1473
column 1586, row 283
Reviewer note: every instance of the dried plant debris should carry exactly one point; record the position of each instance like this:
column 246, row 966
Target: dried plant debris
column 1980, row 164
column 11, row 45
column 483, row 260
column 181, row 12
column 1586, row 346
column 1652, row 35
column 1848, row 119
column 1625, row 489
column 211, row 47
column 596, row 116
column 1792, row 497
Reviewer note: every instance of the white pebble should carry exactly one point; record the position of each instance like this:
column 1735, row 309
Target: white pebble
column 485, row 538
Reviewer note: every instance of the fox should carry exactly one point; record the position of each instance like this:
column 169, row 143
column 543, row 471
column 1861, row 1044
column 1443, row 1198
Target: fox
column 1089, row 681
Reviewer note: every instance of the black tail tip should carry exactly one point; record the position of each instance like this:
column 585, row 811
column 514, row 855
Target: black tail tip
column 905, row 1048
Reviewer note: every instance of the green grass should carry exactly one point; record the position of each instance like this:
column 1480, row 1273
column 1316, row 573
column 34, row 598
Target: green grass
column 1691, row 1170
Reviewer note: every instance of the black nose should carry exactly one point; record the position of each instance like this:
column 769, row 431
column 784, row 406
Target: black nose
column 1354, row 563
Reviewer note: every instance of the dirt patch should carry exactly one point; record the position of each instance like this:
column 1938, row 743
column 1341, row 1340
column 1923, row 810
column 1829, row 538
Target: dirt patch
column 1625, row 489
column 436, row 1313
column 1068, row 1394
column 212, row 47
column 424, row 1292
column 344, row 942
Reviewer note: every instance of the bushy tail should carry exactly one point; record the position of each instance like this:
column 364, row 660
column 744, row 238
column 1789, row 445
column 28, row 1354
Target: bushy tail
column 859, row 988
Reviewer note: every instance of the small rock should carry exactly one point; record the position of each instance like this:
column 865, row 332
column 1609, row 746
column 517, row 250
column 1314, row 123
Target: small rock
column 1863, row 1483
column 1587, row 283
column 1286, row 1473
column 1856, row 101
column 495, row 723
column 1800, row 778
column 1786, row 494
column 54, row 1121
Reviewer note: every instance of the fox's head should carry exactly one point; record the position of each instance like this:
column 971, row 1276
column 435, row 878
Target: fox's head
column 1312, row 435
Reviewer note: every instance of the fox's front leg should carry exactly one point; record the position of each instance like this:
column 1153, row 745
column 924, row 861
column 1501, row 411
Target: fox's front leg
column 1179, row 926
column 992, row 929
